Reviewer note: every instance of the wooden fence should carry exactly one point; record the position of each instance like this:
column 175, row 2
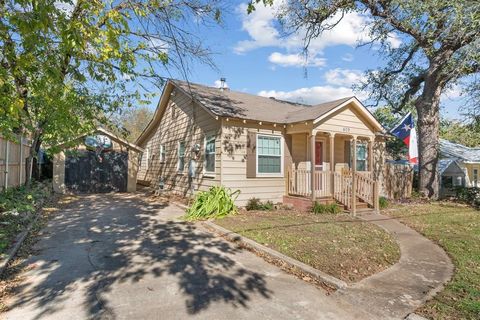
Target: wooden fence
column 12, row 162
column 397, row 181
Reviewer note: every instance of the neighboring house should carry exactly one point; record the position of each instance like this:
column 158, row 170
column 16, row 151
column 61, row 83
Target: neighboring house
column 468, row 159
column 98, row 162
column 451, row 175
column 202, row 136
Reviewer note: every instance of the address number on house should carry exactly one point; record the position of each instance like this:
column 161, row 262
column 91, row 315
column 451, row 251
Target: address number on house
column 346, row 129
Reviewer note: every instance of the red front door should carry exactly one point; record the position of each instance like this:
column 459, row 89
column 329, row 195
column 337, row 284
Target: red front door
column 319, row 155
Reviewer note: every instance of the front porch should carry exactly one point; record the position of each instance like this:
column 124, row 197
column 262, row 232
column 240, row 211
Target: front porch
column 343, row 166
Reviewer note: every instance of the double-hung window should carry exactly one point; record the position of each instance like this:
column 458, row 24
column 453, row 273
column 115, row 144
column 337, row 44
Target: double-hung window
column 210, row 154
column 181, row 156
column 163, row 153
column 361, row 157
column 269, row 155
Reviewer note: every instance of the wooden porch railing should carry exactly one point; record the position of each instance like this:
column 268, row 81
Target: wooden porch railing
column 342, row 185
column 365, row 187
column 299, row 184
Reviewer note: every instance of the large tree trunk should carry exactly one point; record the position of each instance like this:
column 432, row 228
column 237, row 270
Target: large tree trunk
column 32, row 170
column 428, row 109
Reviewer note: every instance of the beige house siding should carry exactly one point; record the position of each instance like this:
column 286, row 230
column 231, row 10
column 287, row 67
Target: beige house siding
column 469, row 167
column 347, row 121
column 183, row 120
column 234, row 161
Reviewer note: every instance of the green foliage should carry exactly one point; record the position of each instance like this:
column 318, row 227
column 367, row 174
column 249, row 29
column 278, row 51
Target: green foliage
column 217, row 202
column 383, row 202
column 319, row 208
column 67, row 66
column 256, row 204
column 455, row 131
column 396, row 148
column 470, row 196
column 16, row 206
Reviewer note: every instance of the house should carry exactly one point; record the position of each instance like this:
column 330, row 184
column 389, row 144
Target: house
column 451, row 175
column 467, row 158
column 203, row 136
column 95, row 163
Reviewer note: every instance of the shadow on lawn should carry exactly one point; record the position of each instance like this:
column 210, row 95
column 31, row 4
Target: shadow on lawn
column 103, row 240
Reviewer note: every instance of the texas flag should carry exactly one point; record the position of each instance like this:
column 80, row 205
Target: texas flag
column 405, row 131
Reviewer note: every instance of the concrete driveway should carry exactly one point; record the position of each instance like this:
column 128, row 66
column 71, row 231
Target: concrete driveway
column 118, row 256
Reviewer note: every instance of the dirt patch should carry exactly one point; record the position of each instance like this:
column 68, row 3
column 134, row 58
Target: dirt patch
column 340, row 245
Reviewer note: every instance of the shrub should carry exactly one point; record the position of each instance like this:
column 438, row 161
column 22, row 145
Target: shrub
column 253, row 204
column 217, row 202
column 468, row 195
column 383, row 202
column 319, row 208
column 256, row 204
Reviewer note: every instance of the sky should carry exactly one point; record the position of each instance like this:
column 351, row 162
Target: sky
column 250, row 52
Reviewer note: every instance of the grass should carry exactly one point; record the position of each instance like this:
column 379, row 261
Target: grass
column 457, row 229
column 16, row 208
column 339, row 245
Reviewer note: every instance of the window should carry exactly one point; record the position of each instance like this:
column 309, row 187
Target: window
column 475, row 177
column 269, row 155
column 162, row 153
column 181, row 156
column 447, row 182
column 210, row 154
column 361, row 157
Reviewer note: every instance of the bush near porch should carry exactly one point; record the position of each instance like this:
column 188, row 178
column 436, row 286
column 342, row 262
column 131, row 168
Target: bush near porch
column 340, row 245
column 457, row 229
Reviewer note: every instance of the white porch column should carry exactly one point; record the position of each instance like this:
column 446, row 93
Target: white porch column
column 370, row 155
column 354, row 173
column 312, row 163
column 332, row 163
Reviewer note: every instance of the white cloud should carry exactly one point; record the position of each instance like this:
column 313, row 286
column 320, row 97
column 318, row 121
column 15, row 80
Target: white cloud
column 218, row 84
column 348, row 57
column 311, row 95
column 452, row 93
column 295, row 60
column 344, row 77
column 263, row 32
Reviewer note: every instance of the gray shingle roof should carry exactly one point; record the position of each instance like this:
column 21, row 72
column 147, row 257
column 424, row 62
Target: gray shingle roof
column 460, row 152
column 241, row 105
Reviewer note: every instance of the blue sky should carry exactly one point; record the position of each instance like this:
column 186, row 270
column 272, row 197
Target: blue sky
column 255, row 58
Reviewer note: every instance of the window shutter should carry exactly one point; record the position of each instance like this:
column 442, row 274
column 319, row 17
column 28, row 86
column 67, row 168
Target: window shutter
column 251, row 154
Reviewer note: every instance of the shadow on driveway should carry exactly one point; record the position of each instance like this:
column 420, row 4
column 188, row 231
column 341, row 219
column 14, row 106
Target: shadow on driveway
column 103, row 252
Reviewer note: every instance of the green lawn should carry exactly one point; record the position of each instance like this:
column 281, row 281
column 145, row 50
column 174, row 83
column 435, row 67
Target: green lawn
column 457, row 229
column 339, row 245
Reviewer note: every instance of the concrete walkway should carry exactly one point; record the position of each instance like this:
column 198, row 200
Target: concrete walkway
column 121, row 257
column 421, row 272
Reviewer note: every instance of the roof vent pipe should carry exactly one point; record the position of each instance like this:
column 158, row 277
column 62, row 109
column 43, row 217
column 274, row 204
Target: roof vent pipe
column 222, row 83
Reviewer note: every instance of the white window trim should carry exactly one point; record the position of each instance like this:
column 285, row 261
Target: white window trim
column 178, row 157
column 272, row 175
column 206, row 173
column 162, row 151
column 147, row 158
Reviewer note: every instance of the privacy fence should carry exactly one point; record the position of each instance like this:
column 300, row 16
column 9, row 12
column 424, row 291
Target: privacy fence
column 12, row 161
column 398, row 181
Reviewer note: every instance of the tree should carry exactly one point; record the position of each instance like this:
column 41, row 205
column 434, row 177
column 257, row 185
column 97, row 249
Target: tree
column 67, row 65
column 440, row 42
column 460, row 132
column 395, row 147
column 132, row 122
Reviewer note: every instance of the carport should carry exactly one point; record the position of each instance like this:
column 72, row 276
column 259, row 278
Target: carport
column 99, row 162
